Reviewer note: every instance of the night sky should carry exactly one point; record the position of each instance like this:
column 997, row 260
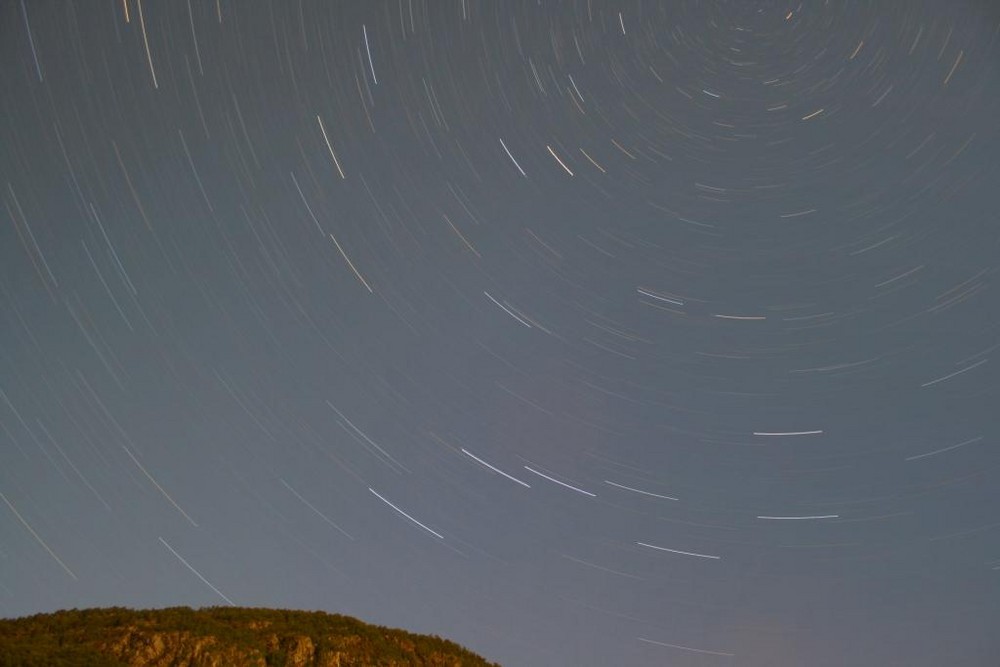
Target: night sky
column 587, row 332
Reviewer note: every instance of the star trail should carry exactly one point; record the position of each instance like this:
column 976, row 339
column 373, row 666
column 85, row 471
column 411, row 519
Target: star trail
column 579, row 332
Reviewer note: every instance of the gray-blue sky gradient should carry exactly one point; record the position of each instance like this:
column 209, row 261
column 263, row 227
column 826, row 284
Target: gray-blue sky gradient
column 581, row 333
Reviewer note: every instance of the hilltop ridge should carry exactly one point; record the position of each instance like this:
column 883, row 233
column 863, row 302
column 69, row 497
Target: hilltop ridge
column 218, row 637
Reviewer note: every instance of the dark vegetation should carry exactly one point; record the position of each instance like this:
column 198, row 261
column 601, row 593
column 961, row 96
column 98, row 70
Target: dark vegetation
column 217, row 637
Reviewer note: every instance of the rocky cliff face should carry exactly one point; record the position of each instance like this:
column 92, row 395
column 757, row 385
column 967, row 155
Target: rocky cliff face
column 138, row 647
column 218, row 637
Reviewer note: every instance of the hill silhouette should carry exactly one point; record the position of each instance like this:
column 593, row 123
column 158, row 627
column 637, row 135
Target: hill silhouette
column 217, row 637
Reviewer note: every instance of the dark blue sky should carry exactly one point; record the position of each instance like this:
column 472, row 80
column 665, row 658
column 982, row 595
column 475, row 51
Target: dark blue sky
column 581, row 333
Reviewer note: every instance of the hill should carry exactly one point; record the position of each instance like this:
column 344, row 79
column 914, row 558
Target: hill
column 217, row 637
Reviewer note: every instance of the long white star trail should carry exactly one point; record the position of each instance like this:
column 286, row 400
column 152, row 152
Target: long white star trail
column 196, row 572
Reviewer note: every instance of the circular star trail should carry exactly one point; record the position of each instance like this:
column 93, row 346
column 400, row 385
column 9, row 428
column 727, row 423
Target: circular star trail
column 580, row 332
